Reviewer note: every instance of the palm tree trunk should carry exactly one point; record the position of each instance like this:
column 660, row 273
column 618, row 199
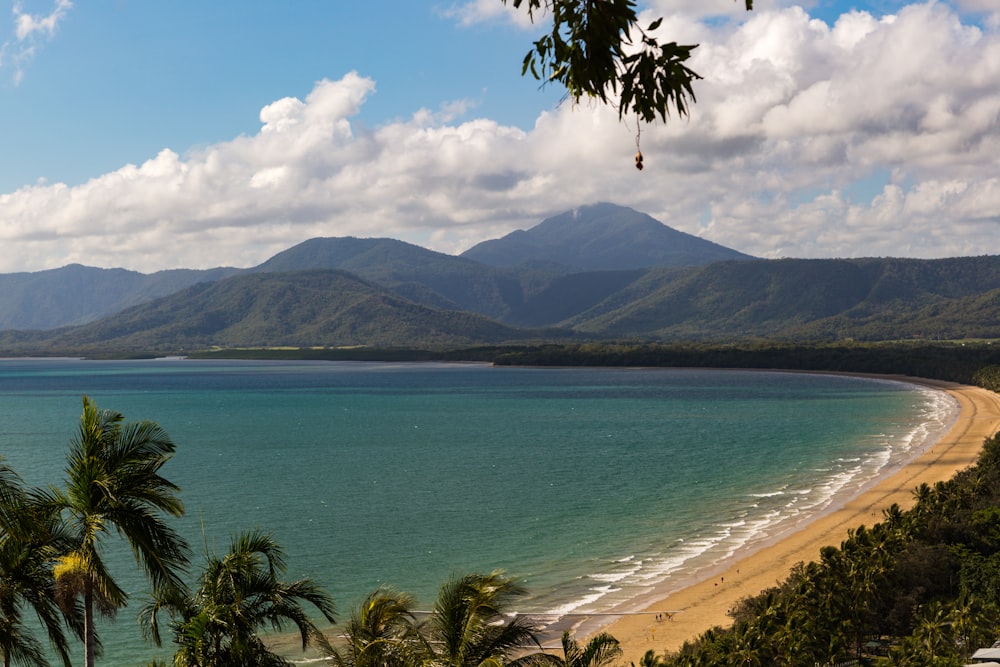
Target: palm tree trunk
column 88, row 625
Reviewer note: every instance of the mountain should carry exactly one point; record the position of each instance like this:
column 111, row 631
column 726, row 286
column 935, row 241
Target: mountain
column 382, row 292
column 600, row 237
column 77, row 294
column 423, row 276
column 299, row 309
column 536, row 288
column 818, row 299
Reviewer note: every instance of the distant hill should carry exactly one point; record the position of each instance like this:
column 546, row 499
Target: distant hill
column 423, row 276
column 383, row 292
column 600, row 237
column 533, row 288
column 78, row 294
column 820, row 299
column 301, row 309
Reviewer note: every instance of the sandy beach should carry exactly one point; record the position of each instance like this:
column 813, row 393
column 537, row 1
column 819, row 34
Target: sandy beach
column 703, row 604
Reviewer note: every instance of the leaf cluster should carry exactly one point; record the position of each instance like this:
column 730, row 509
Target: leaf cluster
column 469, row 626
column 597, row 49
column 239, row 596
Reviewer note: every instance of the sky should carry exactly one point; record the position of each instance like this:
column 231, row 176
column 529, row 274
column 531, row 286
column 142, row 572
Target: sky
column 156, row 134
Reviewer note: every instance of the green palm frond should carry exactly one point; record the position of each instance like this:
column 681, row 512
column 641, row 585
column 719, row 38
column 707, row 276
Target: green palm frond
column 382, row 632
column 113, row 483
column 238, row 596
column 467, row 626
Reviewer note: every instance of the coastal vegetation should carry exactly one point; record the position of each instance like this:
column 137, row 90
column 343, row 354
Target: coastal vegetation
column 920, row 587
column 30, row 541
column 113, row 483
column 238, row 596
column 966, row 362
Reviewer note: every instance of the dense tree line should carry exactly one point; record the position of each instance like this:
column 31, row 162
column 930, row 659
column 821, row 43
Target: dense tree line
column 967, row 362
column 988, row 377
column 956, row 362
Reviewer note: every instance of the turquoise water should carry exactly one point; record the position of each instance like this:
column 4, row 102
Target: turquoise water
column 594, row 487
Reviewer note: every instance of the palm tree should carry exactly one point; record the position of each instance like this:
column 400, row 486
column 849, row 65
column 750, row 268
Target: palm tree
column 933, row 630
column 238, row 596
column 749, row 647
column 650, row 659
column 29, row 542
column 970, row 622
column 467, row 627
column 602, row 650
column 382, row 632
column 113, row 481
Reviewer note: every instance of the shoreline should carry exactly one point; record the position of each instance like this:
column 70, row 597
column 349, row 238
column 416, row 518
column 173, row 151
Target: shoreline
column 701, row 602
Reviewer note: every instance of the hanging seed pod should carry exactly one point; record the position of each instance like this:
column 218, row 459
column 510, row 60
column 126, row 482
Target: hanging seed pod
column 638, row 160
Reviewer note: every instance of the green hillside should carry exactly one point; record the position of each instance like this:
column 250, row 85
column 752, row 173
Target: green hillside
column 423, row 276
column 380, row 292
column 822, row 299
column 300, row 309
column 78, row 294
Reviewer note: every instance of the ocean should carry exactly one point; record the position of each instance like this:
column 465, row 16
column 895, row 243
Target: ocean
column 594, row 488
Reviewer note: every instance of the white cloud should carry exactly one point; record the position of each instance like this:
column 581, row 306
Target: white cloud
column 28, row 25
column 29, row 30
column 873, row 136
column 472, row 12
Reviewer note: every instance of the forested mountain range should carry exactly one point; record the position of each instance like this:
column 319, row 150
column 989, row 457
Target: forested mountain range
column 300, row 309
column 384, row 292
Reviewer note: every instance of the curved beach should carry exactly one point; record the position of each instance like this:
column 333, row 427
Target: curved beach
column 684, row 614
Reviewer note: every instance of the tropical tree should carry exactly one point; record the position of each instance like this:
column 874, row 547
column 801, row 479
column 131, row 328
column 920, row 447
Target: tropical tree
column 650, row 659
column 382, row 632
column 931, row 644
column 933, row 631
column 601, row 651
column 971, row 623
column 238, row 596
column 113, row 481
column 467, row 627
column 29, row 542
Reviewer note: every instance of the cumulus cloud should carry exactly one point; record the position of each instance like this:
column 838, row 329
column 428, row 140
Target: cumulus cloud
column 871, row 136
column 29, row 31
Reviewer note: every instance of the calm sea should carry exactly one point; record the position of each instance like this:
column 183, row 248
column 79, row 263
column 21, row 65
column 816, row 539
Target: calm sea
column 591, row 486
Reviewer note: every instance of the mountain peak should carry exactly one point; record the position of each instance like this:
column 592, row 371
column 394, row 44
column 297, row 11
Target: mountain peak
column 601, row 236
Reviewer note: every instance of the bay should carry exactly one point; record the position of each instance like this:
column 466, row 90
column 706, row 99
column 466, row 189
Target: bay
column 596, row 488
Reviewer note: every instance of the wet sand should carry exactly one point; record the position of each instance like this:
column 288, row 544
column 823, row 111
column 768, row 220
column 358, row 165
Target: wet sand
column 696, row 606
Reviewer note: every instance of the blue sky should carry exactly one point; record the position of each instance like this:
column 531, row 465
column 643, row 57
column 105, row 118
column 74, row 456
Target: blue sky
column 116, row 82
column 150, row 134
